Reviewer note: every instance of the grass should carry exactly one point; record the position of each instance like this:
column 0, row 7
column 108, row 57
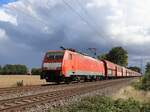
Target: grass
column 16, row 80
column 128, row 99
column 131, row 92
column 134, row 91
column 104, row 104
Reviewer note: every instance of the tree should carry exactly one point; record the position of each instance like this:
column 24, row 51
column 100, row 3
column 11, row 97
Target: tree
column 102, row 57
column 145, row 81
column 135, row 68
column 147, row 69
column 36, row 71
column 21, row 69
column 116, row 55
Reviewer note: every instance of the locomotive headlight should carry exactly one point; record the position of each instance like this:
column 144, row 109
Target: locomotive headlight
column 45, row 65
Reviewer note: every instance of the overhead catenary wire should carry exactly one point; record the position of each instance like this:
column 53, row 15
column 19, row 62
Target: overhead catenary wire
column 86, row 12
column 78, row 14
column 83, row 19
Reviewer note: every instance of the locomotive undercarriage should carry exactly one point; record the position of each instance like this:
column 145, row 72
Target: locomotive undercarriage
column 52, row 76
column 56, row 76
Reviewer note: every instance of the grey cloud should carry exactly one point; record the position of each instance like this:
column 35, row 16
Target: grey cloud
column 49, row 24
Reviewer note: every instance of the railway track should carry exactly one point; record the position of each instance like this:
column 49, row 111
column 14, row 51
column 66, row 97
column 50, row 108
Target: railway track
column 26, row 89
column 14, row 90
column 17, row 104
column 10, row 90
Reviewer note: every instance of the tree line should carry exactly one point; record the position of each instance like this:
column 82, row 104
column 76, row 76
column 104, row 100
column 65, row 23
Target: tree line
column 18, row 70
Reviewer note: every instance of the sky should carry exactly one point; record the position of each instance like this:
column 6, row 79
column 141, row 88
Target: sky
column 6, row 1
column 28, row 28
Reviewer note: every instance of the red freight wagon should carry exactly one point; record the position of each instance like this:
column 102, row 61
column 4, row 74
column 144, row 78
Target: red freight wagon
column 110, row 69
column 67, row 65
column 129, row 73
column 119, row 71
column 124, row 72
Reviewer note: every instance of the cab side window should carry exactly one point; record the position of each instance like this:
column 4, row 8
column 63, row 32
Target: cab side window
column 70, row 57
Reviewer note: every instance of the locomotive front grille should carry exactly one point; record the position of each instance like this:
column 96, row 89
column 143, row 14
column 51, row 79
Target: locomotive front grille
column 51, row 75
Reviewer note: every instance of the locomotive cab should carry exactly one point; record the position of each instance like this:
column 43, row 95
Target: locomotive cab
column 52, row 66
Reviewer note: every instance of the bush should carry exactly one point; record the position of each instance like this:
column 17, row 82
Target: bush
column 36, row 71
column 144, row 83
column 19, row 83
column 104, row 104
column 0, row 69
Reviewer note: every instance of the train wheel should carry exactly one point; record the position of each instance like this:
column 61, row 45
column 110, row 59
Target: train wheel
column 67, row 80
column 58, row 82
column 91, row 79
column 85, row 79
column 78, row 79
column 97, row 78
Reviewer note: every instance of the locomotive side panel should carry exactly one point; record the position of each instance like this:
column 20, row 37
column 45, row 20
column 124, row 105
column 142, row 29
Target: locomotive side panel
column 84, row 65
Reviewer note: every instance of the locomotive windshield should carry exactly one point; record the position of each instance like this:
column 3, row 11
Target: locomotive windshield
column 55, row 55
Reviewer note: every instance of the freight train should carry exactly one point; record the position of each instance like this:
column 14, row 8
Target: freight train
column 67, row 65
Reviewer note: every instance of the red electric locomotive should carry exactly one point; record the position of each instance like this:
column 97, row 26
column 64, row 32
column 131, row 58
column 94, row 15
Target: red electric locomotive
column 67, row 65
